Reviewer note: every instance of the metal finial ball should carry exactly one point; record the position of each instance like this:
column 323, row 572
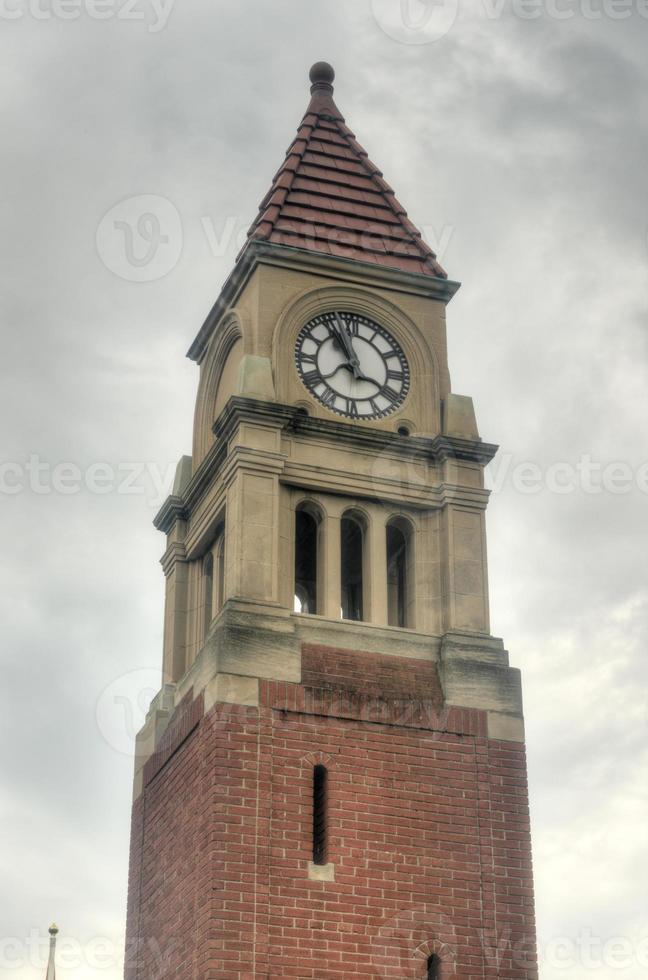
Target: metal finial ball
column 322, row 72
column 53, row 929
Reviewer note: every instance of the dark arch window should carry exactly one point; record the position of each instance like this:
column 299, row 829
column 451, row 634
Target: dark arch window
column 320, row 829
column 398, row 574
column 434, row 967
column 306, row 561
column 213, row 584
column 352, row 562
column 220, row 571
column 208, row 590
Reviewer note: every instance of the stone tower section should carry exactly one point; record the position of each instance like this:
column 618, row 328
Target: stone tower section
column 331, row 781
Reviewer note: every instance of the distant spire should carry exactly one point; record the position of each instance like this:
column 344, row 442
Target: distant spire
column 51, row 966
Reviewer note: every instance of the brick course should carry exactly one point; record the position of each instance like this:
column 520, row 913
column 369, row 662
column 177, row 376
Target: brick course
column 428, row 833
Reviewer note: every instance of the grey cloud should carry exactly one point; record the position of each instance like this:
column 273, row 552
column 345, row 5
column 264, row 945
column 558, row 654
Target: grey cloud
column 528, row 140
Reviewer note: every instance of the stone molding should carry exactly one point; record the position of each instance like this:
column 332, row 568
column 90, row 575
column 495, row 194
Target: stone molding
column 346, row 270
column 289, row 419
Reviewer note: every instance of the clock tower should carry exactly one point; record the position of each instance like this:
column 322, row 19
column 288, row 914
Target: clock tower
column 331, row 781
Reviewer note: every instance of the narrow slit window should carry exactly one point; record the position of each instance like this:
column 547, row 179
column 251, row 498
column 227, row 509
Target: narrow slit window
column 434, row 967
column 352, row 559
column 397, row 558
column 320, row 779
column 220, row 572
column 208, row 590
column 306, row 533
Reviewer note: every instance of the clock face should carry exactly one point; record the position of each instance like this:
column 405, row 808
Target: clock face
column 352, row 365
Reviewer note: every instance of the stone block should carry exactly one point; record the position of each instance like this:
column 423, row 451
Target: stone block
column 459, row 417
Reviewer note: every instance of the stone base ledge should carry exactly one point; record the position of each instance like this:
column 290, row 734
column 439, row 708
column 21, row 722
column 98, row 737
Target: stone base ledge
column 252, row 642
column 505, row 728
column 232, row 689
column 472, row 684
column 148, row 738
column 366, row 637
column 479, row 647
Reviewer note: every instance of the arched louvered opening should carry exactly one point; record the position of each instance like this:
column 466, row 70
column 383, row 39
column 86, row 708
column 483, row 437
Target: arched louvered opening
column 399, row 574
column 219, row 572
column 307, row 560
column 352, row 535
column 208, row 591
column 434, row 967
column 320, row 829
column 213, row 580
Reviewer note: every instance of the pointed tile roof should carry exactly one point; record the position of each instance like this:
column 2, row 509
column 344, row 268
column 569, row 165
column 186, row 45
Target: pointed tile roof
column 329, row 197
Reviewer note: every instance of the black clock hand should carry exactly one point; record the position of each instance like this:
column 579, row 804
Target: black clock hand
column 344, row 338
column 359, row 376
column 343, row 345
column 347, row 343
column 325, row 377
column 349, row 367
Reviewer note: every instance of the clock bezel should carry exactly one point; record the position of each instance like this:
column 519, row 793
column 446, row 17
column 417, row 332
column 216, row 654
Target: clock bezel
column 349, row 316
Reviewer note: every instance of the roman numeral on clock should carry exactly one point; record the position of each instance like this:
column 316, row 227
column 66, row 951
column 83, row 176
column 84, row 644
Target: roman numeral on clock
column 394, row 375
column 311, row 377
column 352, row 409
column 390, row 395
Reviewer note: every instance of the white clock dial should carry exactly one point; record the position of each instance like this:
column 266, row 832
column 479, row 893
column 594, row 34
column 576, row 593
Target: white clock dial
column 352, row 365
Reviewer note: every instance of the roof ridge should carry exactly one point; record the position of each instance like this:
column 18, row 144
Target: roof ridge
column 388, row 193
column 390, row 197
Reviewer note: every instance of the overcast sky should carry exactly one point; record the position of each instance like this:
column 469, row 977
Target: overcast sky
column 519, row 144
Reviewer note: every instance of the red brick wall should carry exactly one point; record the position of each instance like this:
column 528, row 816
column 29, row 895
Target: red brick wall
column 428, row 832
column 367, row 673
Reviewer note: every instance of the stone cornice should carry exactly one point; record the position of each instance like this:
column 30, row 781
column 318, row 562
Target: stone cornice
column 179, row 507
column 435, row 450
column 175, row 552
column 205, row 473
column 242, row 458
column 173, row 509
column 467, row 450
column 237, row 410
column 240, row 409
column 386, row 490
column 472, row 497
column 348, row 270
